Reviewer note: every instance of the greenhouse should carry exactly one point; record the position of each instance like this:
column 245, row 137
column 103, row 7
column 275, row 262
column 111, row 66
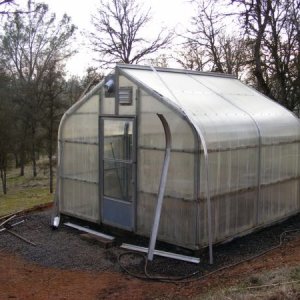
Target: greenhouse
column 234, row 156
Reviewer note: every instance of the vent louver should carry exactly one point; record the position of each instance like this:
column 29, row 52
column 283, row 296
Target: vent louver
column 125, row 95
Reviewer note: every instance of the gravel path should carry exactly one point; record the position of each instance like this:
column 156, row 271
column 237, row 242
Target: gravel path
column 64, row 248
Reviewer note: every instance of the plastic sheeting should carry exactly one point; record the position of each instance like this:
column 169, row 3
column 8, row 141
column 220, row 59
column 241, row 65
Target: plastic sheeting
column 79, row 172
column 253, row 147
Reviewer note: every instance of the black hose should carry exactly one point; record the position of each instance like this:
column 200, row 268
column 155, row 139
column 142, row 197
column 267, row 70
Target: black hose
column 187, row 278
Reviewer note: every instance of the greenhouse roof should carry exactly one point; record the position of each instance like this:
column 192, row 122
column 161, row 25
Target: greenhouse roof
column 226, row 112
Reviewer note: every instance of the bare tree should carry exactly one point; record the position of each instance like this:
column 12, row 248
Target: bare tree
column 272, row 28
column 192, row 57
column 161, row 61
column 206, row 28
column 208, row 46
column 234, row 52
column 8, row 7
column 255, row 15
column 118, row 33
column 4, row 4
column 77, row 86
column 90, row 79
column 73, row 90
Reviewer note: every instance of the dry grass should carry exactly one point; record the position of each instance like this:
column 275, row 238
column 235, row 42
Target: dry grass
column 24, row 199
column 279, row 284
column 25, row 192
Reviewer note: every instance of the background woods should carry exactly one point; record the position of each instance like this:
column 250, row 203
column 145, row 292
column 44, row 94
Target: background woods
column 257, row 41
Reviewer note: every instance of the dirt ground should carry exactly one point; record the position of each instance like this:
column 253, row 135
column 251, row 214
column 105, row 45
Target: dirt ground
column 63, row 266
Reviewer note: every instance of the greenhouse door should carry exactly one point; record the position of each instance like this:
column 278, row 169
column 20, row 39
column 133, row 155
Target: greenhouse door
column 118, row 169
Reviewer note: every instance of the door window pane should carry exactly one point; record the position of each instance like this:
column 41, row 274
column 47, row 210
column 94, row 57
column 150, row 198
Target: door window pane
column 118, row 180
column 118, row 139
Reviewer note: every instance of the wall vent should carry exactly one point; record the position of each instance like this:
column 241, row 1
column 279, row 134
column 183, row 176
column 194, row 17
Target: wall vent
column 125, row 95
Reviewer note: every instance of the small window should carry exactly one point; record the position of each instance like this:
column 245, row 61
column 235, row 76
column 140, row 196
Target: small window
column 125, row 95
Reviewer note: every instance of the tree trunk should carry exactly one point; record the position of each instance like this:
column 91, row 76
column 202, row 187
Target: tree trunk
column 3, row 180
column 22, row 167
column 33, row 150
column 34, row 172
column 17, row 162
column 50, row 155
column 22, row 159
column 50, row 150
column 50, row 173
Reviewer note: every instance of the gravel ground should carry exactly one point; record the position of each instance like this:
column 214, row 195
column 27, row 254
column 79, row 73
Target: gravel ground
column 64, row 248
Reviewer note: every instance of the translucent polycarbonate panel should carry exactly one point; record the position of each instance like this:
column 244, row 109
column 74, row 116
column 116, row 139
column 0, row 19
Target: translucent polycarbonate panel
column 180, row 181
column 151, row 132
column 118, row 139
column 108, row 105
column 232, row 215
column 235, row 122
column 278, row 201
column 80, row 199
column 81, row 128
column 276, row 124
column 230, row 171
column 178, row 222
column 128, row 109
column 279, row 162
column 222, row 124
column 82, row 124
column 149, row 104
column 80, row 161
column 90, row 106
column 118, row 180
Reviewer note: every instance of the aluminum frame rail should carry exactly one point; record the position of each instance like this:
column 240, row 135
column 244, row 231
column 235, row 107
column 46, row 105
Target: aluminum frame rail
column 94, row 232
column 162, row 187
column 191, row 259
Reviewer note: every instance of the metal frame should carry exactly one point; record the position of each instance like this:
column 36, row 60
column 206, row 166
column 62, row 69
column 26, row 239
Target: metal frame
column 173, row 70
column 136, row 132
column 94, row 232
column 80, row 216
column 189, row 119
column 132, row 162
column 197, row 178
column 172, row 150
column 259, row 141
column 78, row 179
column 70, row 111
column 117, row 93
column 191, row 259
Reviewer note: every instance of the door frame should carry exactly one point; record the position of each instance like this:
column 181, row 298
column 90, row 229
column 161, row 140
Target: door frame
column 133, row 162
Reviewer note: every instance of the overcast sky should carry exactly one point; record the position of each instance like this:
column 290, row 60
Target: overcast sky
column 171, row 13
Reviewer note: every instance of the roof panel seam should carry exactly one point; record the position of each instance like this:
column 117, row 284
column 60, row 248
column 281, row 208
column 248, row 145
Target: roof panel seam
column 258, row 132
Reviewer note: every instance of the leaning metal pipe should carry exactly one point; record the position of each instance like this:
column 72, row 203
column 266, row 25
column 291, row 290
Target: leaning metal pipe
column 203, row 142
column 162, row 187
